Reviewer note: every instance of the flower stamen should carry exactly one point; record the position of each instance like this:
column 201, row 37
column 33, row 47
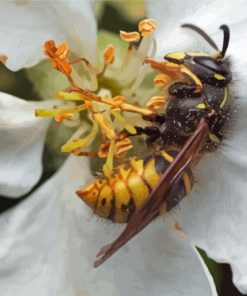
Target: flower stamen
column 81, row 143
column 108, row 166
column 106, row 110
column 147, row 26
column 156, row 102
column 161, row 80
column 130, row 36
column 109, row 57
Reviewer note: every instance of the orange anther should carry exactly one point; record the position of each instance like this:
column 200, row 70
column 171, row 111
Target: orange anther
column 130, row 36
column 155, row 102
column 61, row 52
column 62, row 117
column 147, row 26
column 62, row 66
column 109, row 55
column 161, row 80
column 50, row 48
column 121, row 147
column 3, row 59
column 58, row 56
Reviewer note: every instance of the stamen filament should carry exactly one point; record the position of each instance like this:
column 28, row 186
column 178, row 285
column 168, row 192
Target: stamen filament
column 59, row 111
column 130, row 128
column 105, row 124
column 108, row 166
column 80, row 143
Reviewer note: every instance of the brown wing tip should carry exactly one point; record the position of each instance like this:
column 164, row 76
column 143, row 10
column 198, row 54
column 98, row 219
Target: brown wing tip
column 103, row 254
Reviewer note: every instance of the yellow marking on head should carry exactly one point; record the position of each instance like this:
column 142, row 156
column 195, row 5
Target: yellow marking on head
column 137, row 165
column 138, row 188
column 103, row 207
column 222, row 105
column 167, row 156
column 187, row 183
column 122, row 197
column 180, row 55
column 197, row 81
column 201, row 106
column 219, row 77
column 150, row 175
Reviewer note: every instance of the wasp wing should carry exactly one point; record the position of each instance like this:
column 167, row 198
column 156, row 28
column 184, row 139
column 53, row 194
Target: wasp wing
column 150, row 210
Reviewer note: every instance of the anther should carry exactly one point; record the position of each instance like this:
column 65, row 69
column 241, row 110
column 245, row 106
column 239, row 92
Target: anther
column 109, row 55
column 3, row 59
column 130, row 36
column 161, row 80
column 156, row 102
column 147, row 26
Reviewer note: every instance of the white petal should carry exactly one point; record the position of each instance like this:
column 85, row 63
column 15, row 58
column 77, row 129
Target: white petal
column 26, row 25
column 49, row 242
column 21, row 145
column 208, row 15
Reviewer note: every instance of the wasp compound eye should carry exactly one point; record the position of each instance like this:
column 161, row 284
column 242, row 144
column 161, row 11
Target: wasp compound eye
column 212, row 64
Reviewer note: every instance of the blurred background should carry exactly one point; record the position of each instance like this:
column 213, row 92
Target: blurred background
column 112, row 16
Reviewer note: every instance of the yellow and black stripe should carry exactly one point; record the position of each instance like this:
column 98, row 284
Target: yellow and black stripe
column 118, row 197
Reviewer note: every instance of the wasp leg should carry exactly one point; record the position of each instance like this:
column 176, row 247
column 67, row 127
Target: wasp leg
column 183, row 90
column 159, row 118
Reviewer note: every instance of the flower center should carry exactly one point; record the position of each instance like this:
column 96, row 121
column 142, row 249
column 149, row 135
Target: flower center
column 106, row 92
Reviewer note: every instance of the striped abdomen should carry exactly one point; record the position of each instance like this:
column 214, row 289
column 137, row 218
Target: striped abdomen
column 118, row 197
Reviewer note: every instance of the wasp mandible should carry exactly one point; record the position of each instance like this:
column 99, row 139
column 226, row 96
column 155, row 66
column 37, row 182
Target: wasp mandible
column 196, row 114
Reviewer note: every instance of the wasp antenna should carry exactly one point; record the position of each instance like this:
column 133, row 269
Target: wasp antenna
column 202, row 33
column 226, row 40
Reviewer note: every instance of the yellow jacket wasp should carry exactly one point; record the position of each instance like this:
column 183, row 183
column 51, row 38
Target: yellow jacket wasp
column 195, row 119
column 196, row 109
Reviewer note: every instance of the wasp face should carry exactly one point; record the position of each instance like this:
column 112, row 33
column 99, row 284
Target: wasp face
column 211, row 70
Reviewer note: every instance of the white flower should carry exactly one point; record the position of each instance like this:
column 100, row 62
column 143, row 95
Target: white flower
column 49, row 241
column 215, row 217
column 34, row 22
column 22, row 139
